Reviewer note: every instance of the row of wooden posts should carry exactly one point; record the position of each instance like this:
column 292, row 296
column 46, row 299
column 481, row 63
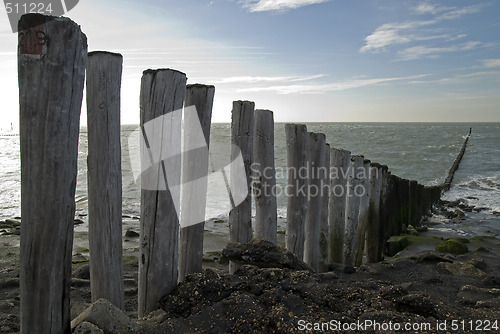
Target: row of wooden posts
column 350, row 214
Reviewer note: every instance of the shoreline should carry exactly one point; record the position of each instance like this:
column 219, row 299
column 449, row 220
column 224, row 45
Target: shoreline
column 457, row 275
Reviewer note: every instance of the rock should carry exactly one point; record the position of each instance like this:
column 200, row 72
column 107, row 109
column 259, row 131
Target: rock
column 153, row 318
column 131, row 234
column 431, row 257
column 452, row 246
column 342, row 268
column 87, row 328
column 491, row 303
column 82, row 272
column 421, row 229
column 395, row 244
column 263, row 254
column 411, row 230
column 473, row 294
column 77, row 258
column 107, row 317
column 461, row 268
column 459, row 213
column 78, row 221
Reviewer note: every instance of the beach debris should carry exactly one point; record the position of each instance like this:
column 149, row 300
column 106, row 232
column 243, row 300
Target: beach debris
column 263, row 254
column 107, row 317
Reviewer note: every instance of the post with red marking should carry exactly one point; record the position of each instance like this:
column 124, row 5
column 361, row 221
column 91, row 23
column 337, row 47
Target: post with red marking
column 51, row 80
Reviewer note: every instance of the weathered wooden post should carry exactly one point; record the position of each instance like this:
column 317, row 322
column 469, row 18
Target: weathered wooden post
column 412, row 203
column 340, row 161
column 242, row 130
column 373, row 228
column 296, row 142
column 316, row 147
column 264, row 180
column 364, row 202
column 52, row 54
column 352, row 207
column 323, row 227
column 194, row 167
column 104, row 71
column 384, row 211
column 162, row 93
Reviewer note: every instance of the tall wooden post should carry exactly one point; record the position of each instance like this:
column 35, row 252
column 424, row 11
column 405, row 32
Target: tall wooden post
column 194, row 185
column 373, row 228
column 323, row 227
column 296, row 143
column 104, row 73
column 52, row 54
column 242, row 130
column 340, row 161
column 316, row 147
column 264, row 181
column 162, row 93
column 359, row 239
column 352, row 207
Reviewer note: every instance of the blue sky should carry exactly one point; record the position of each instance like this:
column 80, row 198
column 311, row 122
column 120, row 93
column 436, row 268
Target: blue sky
column 307, row 60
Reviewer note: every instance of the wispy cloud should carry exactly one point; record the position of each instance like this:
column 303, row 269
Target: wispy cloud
column 276, row 5
column 315, row 88
column 417, row 52
column 391, row 34
column 489, row 63
column 462, row 78
column 255, row 79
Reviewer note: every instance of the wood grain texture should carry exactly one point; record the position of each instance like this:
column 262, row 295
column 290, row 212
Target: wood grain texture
column 50, row 97
column 104, row 72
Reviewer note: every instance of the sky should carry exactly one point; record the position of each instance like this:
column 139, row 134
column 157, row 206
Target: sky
column 306, row 60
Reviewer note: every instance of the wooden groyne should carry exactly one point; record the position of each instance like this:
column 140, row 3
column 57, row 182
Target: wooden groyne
column 342, row 208
column 451, row 173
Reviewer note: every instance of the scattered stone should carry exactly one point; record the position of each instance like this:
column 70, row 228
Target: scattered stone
column 87, row 328
column 421, row 229
column 452, row 246
column 473, row 294
column 432, row 257
column 78, row 258
column 496, row 213
column 131, row 234
column 9, row 283
column 459, row 213
column 490, row 303
column 107, row 317
column 395, row 244
column 82, row 272
column 461, row 268
column 78, row 221
column 412, row 230
column 263, row 254
column 339, row 267
column 219, row 221
column 472, row 197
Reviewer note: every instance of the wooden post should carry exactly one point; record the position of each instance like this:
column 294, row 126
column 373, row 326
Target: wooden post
column 323, row 227
column 51, row 80
column 364, row 202
column 162, row 93
column 316, row 147
column 385, row 197
column 296, row 142
column 264, row 180
column 373, row 229
column 352, row 207
column 340, row 161
column 412, row 203
column 104, row 175
column 242, row 130
column 194, row 166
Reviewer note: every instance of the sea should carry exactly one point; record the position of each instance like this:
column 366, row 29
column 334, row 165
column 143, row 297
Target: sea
column 417, row 151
